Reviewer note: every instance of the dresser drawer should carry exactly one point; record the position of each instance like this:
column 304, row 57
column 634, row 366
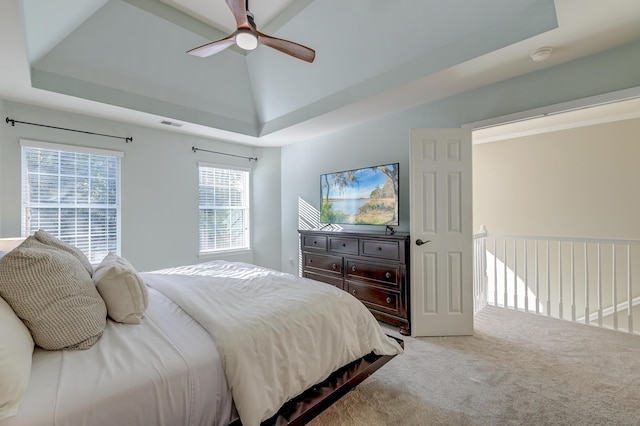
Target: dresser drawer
column 334, row 281
column 377, row 298
column 388, row 275
column 314, row 242
column 323, row 263
column 381, row 249
column 343, row 245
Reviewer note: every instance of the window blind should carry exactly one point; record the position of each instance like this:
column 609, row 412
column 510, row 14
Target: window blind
column 74, row 194
column 224, row 208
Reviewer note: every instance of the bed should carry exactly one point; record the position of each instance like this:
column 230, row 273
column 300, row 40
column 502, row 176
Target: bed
column 218, row 343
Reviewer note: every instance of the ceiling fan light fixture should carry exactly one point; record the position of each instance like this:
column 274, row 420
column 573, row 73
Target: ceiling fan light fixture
column 246, row 40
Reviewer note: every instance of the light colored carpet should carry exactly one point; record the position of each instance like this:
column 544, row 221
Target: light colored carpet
column 518, row 369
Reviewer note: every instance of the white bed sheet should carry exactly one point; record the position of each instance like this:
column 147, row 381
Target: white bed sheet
column 164, row 371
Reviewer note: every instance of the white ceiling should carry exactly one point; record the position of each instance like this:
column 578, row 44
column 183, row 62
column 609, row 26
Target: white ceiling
column 125, row 59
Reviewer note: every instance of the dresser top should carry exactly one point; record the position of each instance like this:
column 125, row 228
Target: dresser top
column 356, row 234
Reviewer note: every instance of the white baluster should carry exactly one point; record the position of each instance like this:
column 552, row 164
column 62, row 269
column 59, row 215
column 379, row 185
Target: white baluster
column 505, row 296
column 586, row 285
column 560, row 309
column 573, row 285
column 537, row 279
column 495, row 273
column 599, row 288
column 515, row 273
column 526, row 284
column 548, row 283
column 629, row 292
column 614, row 291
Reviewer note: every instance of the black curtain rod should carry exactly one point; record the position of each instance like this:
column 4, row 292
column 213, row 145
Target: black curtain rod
column 13, row 123
column 194, row 149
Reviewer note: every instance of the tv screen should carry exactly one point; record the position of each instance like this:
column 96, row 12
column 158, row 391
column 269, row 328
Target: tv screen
column 366, row 196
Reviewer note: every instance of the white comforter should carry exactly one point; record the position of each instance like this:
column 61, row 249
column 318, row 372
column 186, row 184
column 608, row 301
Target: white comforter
column 277, row 334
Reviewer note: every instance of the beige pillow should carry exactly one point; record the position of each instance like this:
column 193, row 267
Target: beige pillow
column 48, row 239
column 16, row 350
column 53, row 294
column 122, row 289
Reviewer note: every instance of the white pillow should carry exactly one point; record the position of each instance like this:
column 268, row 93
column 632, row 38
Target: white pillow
column 16, row 349
column 122, row 289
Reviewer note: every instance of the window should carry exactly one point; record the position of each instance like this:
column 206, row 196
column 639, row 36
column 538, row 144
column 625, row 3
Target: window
column 73, row 193
column 224, row 208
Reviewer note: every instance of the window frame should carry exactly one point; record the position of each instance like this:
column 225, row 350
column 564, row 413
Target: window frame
column 247, row 209
column 76, row 149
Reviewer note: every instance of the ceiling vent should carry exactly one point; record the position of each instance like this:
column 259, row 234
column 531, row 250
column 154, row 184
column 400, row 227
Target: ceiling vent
column 170, row 123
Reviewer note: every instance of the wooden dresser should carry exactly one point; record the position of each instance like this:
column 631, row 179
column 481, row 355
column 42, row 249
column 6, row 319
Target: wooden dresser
column 374, row 267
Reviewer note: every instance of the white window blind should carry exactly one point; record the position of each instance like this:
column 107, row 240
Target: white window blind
column 74, row 194
column 224, row 208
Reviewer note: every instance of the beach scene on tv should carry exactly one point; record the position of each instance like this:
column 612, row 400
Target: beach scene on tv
column 367, row 196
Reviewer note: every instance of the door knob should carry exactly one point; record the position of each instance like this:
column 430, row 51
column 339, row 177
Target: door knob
column 419, row 242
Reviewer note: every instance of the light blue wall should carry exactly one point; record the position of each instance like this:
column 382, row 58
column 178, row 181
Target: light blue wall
column 387, row 139
column 159, row 184
column 159, row 171
column 266, row 208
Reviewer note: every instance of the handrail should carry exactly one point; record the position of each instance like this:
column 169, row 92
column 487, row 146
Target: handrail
column 566, row 239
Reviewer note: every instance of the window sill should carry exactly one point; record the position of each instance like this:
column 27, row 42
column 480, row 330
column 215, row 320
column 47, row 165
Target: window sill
column 223, row 253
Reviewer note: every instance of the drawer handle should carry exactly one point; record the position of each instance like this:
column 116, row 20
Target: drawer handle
column 388, row 275
column 388, row 300
column 310, row 260
column 334, row 266
column 315, row 242
column 354, row 269
column 379, row 248
column 354, row 292
column 344, row 244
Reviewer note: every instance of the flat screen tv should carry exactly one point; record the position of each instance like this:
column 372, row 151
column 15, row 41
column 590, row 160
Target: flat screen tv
column 366, row 196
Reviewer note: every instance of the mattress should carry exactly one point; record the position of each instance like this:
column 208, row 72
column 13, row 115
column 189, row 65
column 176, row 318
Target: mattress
column 164, row 371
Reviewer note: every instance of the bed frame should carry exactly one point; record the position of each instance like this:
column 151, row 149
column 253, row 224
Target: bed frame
column 303, row 408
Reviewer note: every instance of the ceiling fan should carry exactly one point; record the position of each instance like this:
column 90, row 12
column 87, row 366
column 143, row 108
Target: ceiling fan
column 248, row 37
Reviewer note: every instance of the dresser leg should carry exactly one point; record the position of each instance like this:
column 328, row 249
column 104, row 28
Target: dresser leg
column 405, row 330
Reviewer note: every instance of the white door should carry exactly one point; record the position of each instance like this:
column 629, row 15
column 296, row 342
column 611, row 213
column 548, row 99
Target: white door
column 441, row 232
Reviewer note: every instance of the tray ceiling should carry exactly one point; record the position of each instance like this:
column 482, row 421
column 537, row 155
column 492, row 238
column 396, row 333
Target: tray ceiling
column 126, row 60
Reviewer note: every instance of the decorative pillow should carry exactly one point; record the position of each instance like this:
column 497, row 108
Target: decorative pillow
column 53, row 294
column 122, row 289
column 16, row 349
column 45, row 238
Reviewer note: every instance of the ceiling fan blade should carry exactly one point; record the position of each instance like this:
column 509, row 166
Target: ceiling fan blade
column 239, row 10
column 285, row 46
column 213, row 47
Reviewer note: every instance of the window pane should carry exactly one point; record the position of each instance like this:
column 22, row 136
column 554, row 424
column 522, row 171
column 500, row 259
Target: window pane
column 74, row 196
column 224, row 209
